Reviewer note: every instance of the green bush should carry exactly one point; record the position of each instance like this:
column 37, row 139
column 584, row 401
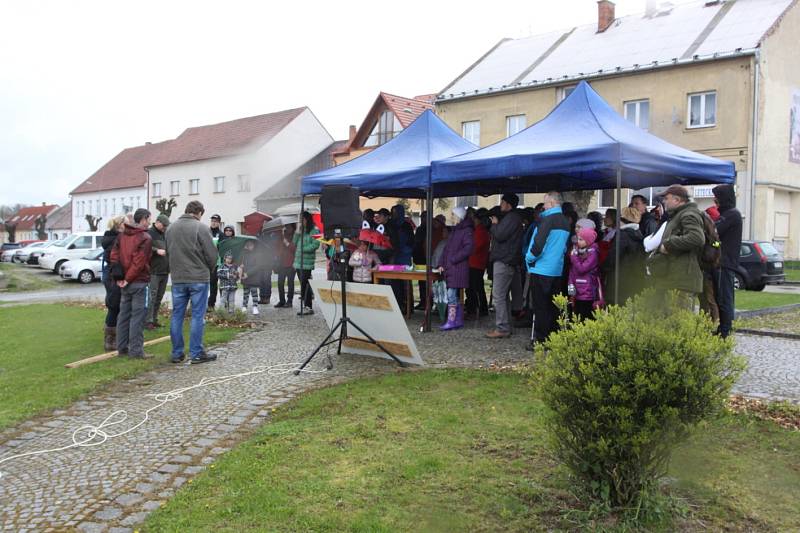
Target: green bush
column 624, row 388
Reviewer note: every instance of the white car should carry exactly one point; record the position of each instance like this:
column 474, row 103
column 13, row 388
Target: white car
column 86, row 270
column 75, row 247
column 21, row 254
column 33, row 256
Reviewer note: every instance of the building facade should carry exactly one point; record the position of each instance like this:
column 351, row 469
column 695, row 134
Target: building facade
column 59, row 223
column 719, row 78
column 225, row 166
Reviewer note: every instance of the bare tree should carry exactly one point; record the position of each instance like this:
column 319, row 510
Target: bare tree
column 8, row 212
column 581, row 199
column 165, row 207
column 93, row 222
column 39, row 224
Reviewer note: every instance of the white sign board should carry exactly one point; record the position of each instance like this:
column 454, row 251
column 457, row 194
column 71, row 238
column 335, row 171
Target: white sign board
column 374, row 309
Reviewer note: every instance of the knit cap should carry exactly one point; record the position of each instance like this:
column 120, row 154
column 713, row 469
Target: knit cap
column 460, row 212
column 588, row 235
column 585, row 223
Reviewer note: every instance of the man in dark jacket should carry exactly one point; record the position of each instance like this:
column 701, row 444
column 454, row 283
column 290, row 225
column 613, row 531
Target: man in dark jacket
column 192, row 258
column 647, row 222
column 729, row 227
column 216, row 233
column 159, row 270
column 132, row 251
column 505, row 255
column 545, row 261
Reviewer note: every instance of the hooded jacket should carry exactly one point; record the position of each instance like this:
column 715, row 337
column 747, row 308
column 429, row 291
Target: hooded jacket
column 456, row 255
column 133, row 250
column 548, row 248
column 729, row 226
column 584, row 273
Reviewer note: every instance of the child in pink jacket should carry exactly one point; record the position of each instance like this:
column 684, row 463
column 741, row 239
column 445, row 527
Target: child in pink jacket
column 584, row 274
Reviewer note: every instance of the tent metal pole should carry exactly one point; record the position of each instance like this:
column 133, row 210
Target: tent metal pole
column 428, row 256
column 300, row 242
column 617, row 235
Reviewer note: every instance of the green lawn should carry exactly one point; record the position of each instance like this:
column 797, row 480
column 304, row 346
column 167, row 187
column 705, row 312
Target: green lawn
column 788, row 322
column 17, row 278
column 38, row 340
column 750, row 300
column 464, row 450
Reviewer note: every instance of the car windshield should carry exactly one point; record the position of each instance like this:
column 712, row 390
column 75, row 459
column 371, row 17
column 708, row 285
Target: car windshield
column 57, row 243
column 768, row 249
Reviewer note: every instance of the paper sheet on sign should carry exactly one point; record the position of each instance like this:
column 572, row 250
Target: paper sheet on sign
column 375, row 310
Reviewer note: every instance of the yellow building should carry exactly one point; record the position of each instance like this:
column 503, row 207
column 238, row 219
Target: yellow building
column 689, row 74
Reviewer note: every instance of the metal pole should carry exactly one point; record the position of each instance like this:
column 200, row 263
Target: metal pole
column 429, row 256
column 300, row 243
column 616, row 236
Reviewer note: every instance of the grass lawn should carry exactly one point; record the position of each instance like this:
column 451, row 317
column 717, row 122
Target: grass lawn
column 38, row 340
column 17, row 278
column 463, row 450
column 788, row 322
column 750, row 300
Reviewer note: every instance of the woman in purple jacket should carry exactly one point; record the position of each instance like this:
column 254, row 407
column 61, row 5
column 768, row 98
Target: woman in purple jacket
column 455, row 264
column 584, row 274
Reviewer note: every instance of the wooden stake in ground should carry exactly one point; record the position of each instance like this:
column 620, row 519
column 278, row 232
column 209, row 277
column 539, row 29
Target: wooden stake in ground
column 109, row 355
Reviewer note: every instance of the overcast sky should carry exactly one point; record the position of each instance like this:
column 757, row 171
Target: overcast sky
column 81, row 80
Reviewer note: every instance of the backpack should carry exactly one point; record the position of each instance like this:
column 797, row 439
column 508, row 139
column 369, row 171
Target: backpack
column 711, row 253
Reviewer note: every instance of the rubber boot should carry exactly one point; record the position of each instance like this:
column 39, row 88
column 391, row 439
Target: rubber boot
column 110, row 339
column 459, row 316
column 452, row 314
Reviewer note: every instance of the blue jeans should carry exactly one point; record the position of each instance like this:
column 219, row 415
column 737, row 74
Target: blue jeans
column 182, row 294
column 452, row 296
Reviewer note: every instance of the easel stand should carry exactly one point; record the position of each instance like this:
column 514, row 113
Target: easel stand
column 340, row 260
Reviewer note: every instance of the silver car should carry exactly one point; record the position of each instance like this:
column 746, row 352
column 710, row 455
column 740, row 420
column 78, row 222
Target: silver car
column 86, row 269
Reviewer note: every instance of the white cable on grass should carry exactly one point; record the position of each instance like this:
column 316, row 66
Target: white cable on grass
column 97, row 435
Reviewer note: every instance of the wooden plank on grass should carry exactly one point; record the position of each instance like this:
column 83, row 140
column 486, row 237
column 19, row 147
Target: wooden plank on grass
column 109, row 355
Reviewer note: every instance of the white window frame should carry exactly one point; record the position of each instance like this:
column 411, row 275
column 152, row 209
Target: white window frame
column 219, row 184
column 563, row 92
column 157, row 189
column 194, row 186
column 113, row 207
column 702, row 95
column 637, row 119
column 105, row 207
column 243, row 182
column 613, row 198
column 472, row 136
column 174, row 188
column 512, row 120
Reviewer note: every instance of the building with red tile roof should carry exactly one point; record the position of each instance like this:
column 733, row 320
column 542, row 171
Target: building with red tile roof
column 26, row 218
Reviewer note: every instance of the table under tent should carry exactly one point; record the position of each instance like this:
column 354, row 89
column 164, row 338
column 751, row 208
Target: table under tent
column 583, row 144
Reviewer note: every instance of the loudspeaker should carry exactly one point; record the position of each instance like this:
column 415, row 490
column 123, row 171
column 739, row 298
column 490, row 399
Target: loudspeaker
column 340, row 210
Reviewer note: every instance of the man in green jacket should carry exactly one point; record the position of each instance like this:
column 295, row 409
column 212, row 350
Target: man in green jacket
column 159, row 270
column 681, row 246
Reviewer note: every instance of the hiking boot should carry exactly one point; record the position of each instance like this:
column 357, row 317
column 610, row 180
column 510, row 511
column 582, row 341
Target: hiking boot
column 497, row 334
column 177, row 360
column 110, row 339
column 280, row 304
column 203, row 358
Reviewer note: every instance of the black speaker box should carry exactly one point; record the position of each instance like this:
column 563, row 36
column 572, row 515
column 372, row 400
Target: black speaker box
column 340, row 210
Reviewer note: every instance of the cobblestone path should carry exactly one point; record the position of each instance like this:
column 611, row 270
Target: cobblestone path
column 112, row 487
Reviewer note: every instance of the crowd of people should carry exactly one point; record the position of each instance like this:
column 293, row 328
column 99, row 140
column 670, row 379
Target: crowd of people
column 530, row 255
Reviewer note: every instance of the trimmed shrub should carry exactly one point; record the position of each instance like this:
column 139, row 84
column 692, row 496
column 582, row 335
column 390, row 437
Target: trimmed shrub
column 625, row 388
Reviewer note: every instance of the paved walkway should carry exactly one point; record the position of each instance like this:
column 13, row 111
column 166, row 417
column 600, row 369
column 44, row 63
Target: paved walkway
column 112, row 487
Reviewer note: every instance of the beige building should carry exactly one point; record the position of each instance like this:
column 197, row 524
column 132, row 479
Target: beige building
column 689, row 74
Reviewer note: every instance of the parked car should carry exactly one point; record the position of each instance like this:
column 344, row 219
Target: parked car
column 7, row 249
column 75, row 247
column 760, row 264
column 86, row 269
column 33, row 257
column 21, row 254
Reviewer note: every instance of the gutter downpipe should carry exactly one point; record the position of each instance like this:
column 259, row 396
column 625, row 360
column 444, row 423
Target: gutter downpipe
column 754, row 149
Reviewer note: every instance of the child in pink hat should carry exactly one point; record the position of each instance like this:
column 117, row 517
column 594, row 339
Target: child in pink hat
column 584, row 274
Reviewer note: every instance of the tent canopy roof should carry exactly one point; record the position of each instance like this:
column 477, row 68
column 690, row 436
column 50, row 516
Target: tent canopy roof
column 401, row 167
column 580, row 145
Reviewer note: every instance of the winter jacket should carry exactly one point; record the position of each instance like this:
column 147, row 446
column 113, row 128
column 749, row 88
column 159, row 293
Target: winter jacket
column 286, row 251
column 132, row 251
column 192, row 254
column 631, row 261
column 159, row 264
column 584, row 272
column 507, row 239
column 684, row 239
column 227, row 275
column 109, row 237
column 402, row 236
column 480, row 249
column 254, row 266
column 455, row 259
column 648, row 224
column 420, row 253
column 362, row 263
column 729, row 226
column 545, row 256
column 307, row 250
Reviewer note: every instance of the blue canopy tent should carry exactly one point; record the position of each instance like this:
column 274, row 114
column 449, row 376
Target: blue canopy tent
column 401, row 167
column 582, row 144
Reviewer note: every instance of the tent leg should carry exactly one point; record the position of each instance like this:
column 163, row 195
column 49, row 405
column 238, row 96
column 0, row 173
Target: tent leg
column 300, row 228
column 428, row 254
column 616, row 237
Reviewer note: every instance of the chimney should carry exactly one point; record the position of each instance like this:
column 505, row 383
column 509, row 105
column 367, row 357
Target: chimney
column 605, row 15
column 44, row 204
column 650, row 8
column 147, row 143
column 352, row 133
